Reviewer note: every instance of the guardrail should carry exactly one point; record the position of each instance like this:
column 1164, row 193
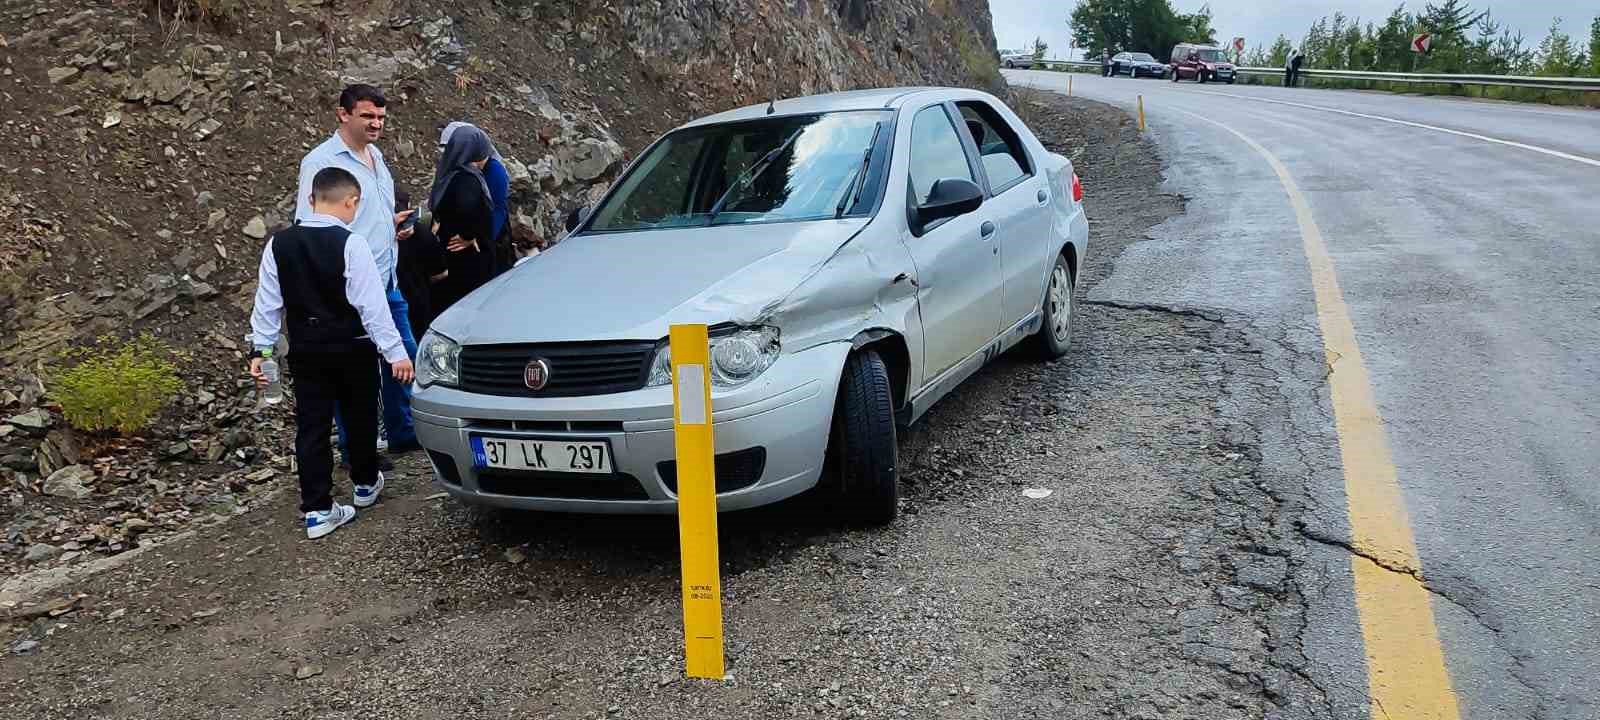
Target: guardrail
column 1575, row 84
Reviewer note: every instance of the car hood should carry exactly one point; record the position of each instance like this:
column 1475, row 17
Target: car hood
column 634, row 285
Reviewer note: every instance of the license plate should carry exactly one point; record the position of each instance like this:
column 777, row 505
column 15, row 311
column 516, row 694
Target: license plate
column 590, row 457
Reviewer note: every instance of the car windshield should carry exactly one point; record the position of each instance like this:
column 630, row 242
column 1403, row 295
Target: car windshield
column 1213, row 55
column 780, row 169
column 1143, row 57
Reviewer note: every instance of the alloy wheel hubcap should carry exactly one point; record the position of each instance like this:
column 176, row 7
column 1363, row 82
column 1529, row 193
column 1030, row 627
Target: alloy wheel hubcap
column 1060, row 304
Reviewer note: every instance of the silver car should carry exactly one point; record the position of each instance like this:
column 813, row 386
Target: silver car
column 856, row 255
column 1017, row 59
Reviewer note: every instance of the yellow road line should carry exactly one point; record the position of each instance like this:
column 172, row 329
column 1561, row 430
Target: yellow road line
column 1406, row 673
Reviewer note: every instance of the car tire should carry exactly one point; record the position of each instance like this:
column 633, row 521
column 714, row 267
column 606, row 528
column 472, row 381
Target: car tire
column 1055, row 331
column 862, row 443
column 1201, row 76
column 1009, row 65
column 1230, row 81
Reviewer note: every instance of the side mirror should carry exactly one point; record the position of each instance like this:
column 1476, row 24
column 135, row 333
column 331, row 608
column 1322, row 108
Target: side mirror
column 575, row 217
column 949, row 198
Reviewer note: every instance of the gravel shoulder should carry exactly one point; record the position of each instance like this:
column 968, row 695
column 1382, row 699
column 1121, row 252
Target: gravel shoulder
column 1152, row 582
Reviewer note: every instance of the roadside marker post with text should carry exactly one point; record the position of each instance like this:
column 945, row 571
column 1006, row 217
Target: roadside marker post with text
column 697, row 502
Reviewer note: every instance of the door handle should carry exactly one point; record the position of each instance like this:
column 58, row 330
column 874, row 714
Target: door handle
column 986, row 229
column 1044, row 197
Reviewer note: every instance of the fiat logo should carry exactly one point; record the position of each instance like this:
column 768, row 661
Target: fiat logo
column 537, row 374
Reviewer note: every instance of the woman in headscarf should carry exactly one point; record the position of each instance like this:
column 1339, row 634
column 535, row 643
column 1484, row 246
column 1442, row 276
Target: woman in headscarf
column 499, row 182
column 463, row 215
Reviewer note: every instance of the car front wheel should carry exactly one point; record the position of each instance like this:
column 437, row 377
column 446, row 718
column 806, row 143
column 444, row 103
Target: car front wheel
column 862, row 443
column 1009, row 65
column 1055, row 333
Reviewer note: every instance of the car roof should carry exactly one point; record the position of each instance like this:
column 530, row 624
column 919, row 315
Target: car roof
column 874, row 99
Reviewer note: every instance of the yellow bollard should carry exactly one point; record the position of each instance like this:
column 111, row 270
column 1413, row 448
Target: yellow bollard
column 1141, row 113
column 1069, row 85
column 697, row 502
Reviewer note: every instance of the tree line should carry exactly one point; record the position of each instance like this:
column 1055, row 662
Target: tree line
column 1464, row 39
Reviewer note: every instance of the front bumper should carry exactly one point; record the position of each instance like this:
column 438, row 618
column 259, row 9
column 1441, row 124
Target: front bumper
column 786, row 414
column 1149, row 71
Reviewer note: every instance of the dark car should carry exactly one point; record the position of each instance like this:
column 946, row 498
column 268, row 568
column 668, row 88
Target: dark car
column 1204, row 63
column 1137, row 64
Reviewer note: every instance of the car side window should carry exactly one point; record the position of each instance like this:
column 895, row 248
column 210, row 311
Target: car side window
column 1004, row 159
column 936, row 152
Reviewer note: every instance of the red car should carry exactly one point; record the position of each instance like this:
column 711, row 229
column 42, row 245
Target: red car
column 1201, row 62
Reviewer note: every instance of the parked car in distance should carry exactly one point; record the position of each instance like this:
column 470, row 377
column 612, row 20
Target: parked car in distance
column 1203, row 63
column 1137, row 64
column 1016, row 59
column 856, row 255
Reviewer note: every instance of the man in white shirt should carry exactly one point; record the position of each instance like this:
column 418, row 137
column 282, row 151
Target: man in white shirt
column 318, row 279
column 353, row 147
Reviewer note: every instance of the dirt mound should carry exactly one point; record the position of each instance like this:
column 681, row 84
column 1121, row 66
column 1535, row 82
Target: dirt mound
column 150, row 145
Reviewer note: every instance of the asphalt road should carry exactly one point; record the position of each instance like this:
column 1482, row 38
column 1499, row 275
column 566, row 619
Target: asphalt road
column 1469, row 271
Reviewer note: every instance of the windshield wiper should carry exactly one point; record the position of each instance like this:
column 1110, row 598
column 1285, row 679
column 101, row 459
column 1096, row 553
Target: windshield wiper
column 852, row 193
column 751, row 173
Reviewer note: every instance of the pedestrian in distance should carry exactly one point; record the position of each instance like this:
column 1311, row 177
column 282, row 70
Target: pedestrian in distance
column 1105, row 62
column 1292, row 69
column 463, row 215
column 319, row 282
column 498, row 180
column 362, row 112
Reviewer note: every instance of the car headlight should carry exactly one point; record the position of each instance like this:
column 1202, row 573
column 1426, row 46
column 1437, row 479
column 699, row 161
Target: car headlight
column 737, row 357
column 438, row 361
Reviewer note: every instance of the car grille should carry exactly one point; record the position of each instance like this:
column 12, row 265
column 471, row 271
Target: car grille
column 734, row 471
column 561, row 486
column 586, row 368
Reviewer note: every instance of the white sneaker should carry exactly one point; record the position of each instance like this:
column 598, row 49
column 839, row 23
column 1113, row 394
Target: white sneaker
column 367, row 495
column 321, row 523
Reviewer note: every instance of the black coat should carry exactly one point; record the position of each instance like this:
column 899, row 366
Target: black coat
column 421, row 257
column 464, row 211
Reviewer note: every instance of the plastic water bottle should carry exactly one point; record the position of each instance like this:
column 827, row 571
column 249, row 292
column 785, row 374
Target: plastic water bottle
column 272, row 394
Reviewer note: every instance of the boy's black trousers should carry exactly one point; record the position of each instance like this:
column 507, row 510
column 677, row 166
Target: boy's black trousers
column 322, row 381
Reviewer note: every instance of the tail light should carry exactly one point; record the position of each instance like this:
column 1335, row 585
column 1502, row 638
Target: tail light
column 1077, row 188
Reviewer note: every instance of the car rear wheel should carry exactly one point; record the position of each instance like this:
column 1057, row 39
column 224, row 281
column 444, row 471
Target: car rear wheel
column 1009, row 65
column 1055, row 333
column 862, row 443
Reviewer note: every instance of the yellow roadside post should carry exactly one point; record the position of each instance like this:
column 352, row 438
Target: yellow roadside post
column 697, row 502
column 1069, row 83
column 1141, row 113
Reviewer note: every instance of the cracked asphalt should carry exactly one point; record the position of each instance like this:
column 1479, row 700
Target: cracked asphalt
column 1154, row 580
column 1468, row 269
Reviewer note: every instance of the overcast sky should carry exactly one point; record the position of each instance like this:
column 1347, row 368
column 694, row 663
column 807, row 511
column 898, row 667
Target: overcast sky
column 1016, row 22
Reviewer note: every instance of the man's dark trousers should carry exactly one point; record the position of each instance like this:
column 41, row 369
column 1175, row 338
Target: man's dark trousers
column 323, row 381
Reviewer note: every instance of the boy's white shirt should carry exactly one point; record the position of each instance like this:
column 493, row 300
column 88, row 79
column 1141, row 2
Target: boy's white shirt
column 361, row 288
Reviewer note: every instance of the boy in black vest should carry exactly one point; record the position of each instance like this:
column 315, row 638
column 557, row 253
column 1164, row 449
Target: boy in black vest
column 319, row 280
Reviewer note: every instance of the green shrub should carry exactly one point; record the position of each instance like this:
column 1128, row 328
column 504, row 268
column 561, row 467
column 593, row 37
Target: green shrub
column 120, row 387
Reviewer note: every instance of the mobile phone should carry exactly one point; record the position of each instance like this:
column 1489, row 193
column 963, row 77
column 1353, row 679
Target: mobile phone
column 411, row 220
